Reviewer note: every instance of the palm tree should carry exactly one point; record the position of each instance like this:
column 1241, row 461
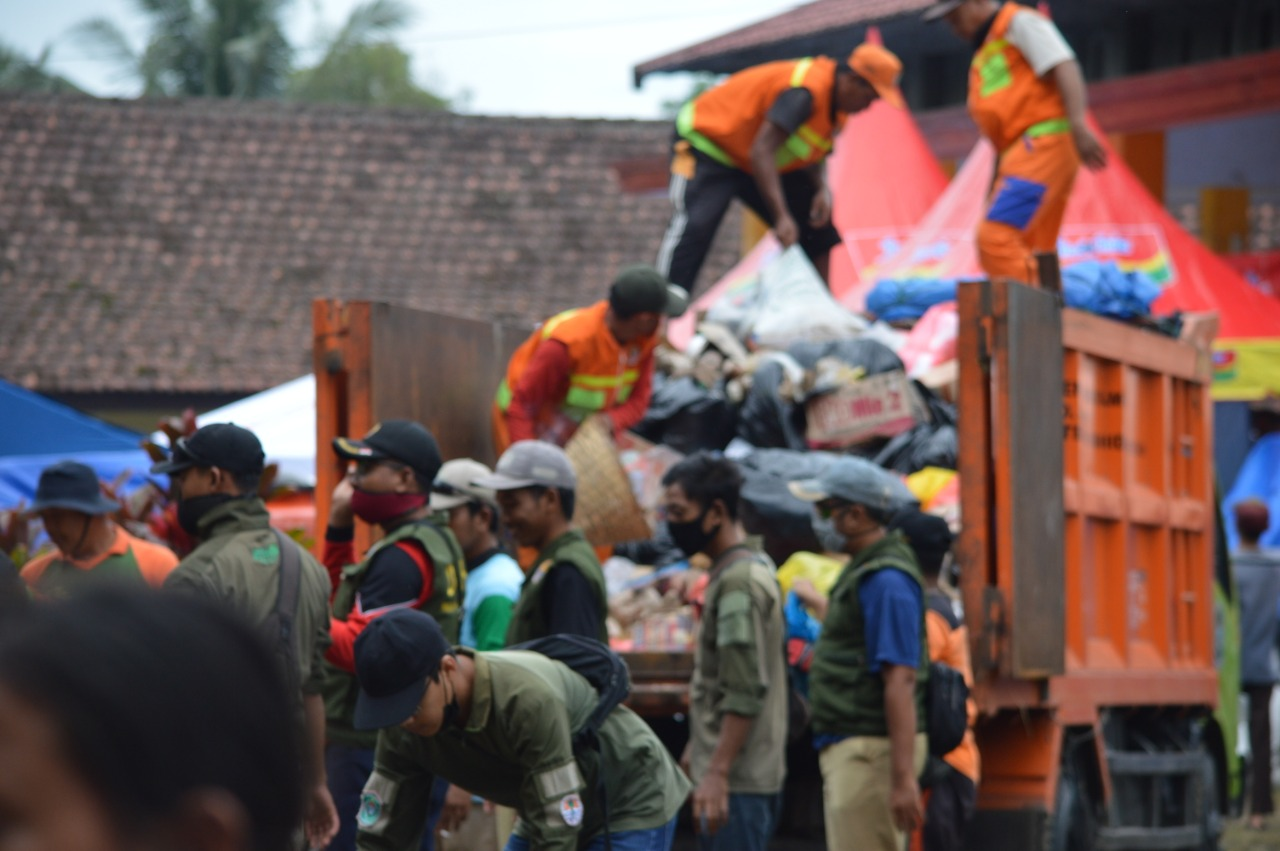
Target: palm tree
column 215, row 48
column 20, row 74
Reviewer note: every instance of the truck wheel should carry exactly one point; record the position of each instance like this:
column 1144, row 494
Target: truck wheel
column 1073, row 824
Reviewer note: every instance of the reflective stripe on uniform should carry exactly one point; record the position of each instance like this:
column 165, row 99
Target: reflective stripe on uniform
column 559, row 782
column 684, row 126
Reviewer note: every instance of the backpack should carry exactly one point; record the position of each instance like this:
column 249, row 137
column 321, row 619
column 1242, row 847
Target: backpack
column 946, row 695
column 608, row 675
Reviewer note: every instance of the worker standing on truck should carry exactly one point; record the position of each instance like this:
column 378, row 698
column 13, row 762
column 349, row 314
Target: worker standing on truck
column 502, row 725
column 589, row 360
column 952, row 780
column 761, row 136
column 241, row 562
column 738, row 696
column 870, row 664
column 1027, row 96
column 1257, row 573
column 565, row 591
column 418, row 564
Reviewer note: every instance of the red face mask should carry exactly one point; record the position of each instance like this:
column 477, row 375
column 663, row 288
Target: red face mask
column 381, row 507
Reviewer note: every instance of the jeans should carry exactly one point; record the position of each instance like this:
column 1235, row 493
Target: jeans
column 349, row 768
column 752, row 820
column 653, row 839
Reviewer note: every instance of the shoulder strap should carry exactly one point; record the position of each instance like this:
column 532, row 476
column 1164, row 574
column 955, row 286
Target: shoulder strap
column 287, row 601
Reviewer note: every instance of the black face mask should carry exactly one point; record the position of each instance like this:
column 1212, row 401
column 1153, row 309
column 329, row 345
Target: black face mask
column 690, row 537
column 450, row 717
column 191, row 510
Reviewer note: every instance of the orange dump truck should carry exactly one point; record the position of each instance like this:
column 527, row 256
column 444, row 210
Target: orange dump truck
column 1087, row 550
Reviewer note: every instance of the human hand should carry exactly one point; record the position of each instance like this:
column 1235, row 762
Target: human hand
column 711, row 803
column 820, row 209
column 787, row 231
column 1088, row 146
column 457, row 806
column 340, row 513
column 321, row 821
column 904, row 804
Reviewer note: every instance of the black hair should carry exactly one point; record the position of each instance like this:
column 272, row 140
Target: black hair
column 878, row 515
column 157, row 695
column 495, row 521
column 566, row 498
column 705, row 477
column 246, row 483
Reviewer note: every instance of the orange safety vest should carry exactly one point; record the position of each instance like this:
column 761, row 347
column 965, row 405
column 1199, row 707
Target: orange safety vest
column 1006, row 98
column 604, row 372
column 723, row 122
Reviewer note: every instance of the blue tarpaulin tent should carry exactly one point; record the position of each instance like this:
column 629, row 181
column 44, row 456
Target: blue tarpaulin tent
column 36, row 431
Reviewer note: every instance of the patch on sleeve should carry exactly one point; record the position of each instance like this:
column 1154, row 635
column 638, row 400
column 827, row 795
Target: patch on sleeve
column 375, row 804
column 571, row 810
column 558, row 781
column 733, row 620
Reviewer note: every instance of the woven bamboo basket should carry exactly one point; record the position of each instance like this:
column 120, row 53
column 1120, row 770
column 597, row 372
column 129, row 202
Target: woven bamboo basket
column 605, row 506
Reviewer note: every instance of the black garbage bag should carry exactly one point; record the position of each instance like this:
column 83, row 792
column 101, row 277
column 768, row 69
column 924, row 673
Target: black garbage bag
column 941, row 412
column 687, row 416
column 872, row 355
column 767, row 506
column 766, row 419
column 923, row 445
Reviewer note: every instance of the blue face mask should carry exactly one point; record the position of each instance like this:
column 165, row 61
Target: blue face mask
column 824, row 528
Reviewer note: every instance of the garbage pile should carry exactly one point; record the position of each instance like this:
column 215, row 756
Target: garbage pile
column 783, row 379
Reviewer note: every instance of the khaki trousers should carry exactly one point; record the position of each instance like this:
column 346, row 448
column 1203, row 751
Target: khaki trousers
column 856, row 781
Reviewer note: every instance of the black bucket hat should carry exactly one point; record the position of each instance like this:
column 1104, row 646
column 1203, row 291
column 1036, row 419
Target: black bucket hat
column 71, row 485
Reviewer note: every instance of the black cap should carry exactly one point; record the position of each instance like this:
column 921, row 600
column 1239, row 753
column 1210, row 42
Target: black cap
column 643, row 289
column 72, row 485
column 226, row 446
column 399, row 440
column 395, row 656
column 928, row 535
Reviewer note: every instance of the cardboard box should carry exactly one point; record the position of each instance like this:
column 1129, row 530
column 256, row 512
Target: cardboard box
column 881, row 405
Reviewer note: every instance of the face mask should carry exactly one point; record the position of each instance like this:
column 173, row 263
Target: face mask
column 690, row 537
column 830, row 540
column 191, row 510
column 450, row 717
column 381, row 507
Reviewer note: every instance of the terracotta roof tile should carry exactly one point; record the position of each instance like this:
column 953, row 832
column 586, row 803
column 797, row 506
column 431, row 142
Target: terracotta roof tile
column 154, row 246
column 810, row 20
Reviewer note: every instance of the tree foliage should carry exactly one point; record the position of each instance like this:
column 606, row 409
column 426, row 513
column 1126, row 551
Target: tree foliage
column 20, row 74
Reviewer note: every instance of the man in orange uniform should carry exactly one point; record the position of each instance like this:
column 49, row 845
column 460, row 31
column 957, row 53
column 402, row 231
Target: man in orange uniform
column 762, row 136
column 91, row 547
column 953, row 780
column 1027, row 95
column 589, row 360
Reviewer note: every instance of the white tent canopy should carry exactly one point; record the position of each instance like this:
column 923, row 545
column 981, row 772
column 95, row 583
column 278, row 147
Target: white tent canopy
column 284, row 419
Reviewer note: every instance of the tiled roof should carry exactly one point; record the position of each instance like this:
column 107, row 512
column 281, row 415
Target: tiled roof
column 175, row 246
column 734, row 50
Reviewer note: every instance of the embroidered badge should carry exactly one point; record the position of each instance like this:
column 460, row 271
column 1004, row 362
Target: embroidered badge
column 571, row 810
column 370, row 809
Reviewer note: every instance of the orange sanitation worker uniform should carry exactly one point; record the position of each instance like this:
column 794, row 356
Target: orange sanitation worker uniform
column 1024, row 117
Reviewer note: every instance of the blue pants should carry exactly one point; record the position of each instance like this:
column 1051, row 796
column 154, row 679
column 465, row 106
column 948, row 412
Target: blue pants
column 654, row 839
column 349, row 769
column 752, row 820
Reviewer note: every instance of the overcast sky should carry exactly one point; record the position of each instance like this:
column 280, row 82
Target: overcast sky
column 517, row 57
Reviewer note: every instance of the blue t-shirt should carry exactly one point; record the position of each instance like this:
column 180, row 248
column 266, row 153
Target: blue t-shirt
column 893, row 607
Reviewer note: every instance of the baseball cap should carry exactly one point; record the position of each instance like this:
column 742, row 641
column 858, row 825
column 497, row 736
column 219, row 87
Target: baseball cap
column 940, row 9
column 70, row 484
column 643, row 289
column 528, row 463
column 928, row 534
column 881, row 69
column 453, row 485
column 226, row 446
column 856, row 480
column 395, row 656
column 398, row 440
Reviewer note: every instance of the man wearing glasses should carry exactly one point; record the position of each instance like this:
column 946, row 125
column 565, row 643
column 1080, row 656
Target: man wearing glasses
column 417, row 564
column 866, row 685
